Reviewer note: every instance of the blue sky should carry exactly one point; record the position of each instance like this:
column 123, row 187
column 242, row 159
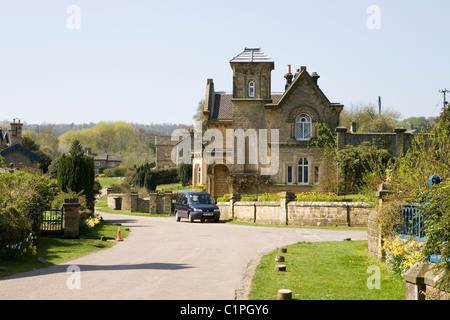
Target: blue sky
column 148, row 61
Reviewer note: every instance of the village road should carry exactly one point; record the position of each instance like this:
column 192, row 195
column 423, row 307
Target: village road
column 165, row 259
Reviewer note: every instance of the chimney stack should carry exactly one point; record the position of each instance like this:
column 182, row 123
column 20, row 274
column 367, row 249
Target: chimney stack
column 288, row 77
column 315, row 77
column 15, row 133
column 353, row 127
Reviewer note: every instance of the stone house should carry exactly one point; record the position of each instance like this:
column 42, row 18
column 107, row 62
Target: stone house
column 104, row 161
column 253, row 106
column 14, row 154
column 163, row 150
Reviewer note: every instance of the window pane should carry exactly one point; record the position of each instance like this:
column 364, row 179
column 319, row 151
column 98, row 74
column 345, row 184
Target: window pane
column 289, row 174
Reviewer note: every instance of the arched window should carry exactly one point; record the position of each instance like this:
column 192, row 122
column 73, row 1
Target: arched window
column 303, row 127
column 303, row 171
column 251, row 89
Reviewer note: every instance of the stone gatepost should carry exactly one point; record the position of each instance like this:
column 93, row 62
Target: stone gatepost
column 399, row 141
column 153, row 202
column 285, row 198
column 133, row 201
column 167, row 202
column 234, row 197
column 341, row 139
column 71, row 218
column 415, row 281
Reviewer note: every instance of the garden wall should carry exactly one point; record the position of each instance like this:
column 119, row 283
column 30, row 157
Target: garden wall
column 302, row 213
column 154, row 203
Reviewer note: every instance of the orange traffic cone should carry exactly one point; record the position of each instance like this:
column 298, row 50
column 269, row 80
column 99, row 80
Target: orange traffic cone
column 119, row 237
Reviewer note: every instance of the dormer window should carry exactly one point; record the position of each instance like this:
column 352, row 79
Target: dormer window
column 303, row 127
column 251, row 89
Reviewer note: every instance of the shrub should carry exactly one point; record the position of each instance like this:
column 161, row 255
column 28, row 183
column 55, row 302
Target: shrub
column 198, row 187
column 185, row 174
column 119, row 171
column 76, row 173
column 27, row 193
column 225, row 198
column 146, row 176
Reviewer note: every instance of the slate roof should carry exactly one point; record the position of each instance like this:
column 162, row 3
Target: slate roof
column 107, row 157
column 223, row 108
column 252, row 55
column 18, row 147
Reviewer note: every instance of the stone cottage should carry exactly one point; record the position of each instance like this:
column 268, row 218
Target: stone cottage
column 252, row 105
column 13, row 153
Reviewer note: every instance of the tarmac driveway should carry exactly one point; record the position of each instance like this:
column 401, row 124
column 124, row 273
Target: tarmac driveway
column 165, row 259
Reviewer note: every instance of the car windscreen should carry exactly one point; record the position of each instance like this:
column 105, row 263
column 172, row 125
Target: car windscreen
column 200, row 199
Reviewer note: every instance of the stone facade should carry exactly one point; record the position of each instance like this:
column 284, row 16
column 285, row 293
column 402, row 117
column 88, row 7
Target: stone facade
column 253, row 106
column 163, row 147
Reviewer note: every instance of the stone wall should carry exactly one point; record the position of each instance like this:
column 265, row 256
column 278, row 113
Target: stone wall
column 154, row 203
column 288, row 212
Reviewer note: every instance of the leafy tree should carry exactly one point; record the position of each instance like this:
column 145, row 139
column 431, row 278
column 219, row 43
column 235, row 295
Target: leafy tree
column 76, row 147
column 361, row 166
column 368, row 119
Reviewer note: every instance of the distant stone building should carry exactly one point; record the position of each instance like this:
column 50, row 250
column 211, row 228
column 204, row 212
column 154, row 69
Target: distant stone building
column 104, row 161
column 15, row 155
column 163, row 147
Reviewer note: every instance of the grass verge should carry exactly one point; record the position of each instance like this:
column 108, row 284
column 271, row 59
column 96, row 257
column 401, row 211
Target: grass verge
column 325, row 271
column 56, row 250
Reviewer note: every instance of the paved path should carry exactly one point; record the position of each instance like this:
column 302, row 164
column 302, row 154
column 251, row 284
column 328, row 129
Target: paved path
column 165, row 259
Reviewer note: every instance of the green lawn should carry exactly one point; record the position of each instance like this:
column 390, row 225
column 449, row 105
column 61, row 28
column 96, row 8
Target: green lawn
column 56, row 250
column 325, row 271
column 107, row 181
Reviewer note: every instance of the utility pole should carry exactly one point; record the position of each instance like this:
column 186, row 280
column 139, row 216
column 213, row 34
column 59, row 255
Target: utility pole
column 379, row 105
column 444, row 91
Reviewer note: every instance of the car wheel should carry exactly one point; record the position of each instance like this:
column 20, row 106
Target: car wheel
column 177, row 216
column 191, row 219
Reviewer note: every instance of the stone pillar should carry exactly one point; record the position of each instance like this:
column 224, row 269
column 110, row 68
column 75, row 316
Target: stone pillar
column 133, row 201
column 415, row 283
column 71, row 219
column 285, row 198
column 341, row 140
column 234, row 197
column 399, row 141
column 153, row 202
column 167, row 202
